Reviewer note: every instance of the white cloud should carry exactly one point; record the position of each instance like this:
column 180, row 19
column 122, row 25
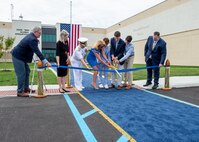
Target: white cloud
column 89, row 13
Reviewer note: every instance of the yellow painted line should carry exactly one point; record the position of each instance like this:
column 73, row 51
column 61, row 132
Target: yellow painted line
column 131, row 139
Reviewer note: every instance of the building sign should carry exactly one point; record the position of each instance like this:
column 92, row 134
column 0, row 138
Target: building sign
column 22, row 31
column 21, row 28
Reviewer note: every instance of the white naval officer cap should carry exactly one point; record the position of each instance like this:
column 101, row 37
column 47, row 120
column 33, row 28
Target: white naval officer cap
column 83, row 39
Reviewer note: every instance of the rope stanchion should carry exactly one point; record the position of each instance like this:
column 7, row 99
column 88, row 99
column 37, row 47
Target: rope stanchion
column 68, row 85
column 167, row 76
column 40, row 88
column 33, row 76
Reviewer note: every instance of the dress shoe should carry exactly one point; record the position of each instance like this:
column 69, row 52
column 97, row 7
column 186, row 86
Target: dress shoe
column 119, row 87
column 65, row 90
column 147, row 84
column 124, row 85
column 22, row 94
column 112, row 86
column 155, row 86
column 28, row 90
column 128, row 87
column 61, row 91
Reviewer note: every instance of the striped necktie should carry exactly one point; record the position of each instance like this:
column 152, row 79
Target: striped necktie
column 154, row 43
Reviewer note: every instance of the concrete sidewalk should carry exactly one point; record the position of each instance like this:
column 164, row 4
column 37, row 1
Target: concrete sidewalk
column 175, row 82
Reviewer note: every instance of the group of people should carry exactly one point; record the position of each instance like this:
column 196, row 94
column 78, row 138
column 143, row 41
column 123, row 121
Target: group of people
column 119, row 55
column 102, row 56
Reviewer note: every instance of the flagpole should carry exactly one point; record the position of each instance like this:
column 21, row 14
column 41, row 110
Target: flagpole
column 70, row 27
column 70, row 45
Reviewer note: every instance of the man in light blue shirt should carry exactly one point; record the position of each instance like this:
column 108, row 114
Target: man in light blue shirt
column 127, row 60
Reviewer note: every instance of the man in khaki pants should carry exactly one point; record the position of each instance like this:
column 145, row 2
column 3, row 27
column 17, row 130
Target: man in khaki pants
column 128, row 61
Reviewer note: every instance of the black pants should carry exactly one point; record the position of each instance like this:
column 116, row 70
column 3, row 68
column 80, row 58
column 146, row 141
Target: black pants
column 150, row 72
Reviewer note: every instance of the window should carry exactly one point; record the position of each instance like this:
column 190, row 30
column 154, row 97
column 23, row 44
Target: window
column 48, row 38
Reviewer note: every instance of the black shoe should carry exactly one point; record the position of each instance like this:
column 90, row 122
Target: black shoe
column 112, row 86
column 65, row 90
column 119, row 87
column 28, row 90
column 147, row 84
column 155, row 86
column 22, row 94
column 61, row 91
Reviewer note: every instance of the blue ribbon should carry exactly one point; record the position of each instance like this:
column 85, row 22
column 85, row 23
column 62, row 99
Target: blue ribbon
column 111, row 70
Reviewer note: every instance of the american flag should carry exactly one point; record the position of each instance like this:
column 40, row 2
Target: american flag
column 73, row 37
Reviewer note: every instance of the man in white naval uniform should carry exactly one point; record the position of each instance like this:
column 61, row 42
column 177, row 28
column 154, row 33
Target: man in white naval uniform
column 77, row 60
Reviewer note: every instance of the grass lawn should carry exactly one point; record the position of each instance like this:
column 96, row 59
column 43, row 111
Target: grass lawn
column 175, row 71
column 9, row 78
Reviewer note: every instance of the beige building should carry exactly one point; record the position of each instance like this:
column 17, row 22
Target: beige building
column 176, row 20
column 17, row 29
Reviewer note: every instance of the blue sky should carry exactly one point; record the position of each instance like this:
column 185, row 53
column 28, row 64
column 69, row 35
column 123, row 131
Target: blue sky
column 89, row 13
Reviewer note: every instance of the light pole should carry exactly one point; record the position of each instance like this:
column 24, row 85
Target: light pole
column 12, row 11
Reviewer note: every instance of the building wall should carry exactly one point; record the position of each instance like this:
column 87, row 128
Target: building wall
column 182, row 48
column 58, row 31
column 20, row 28
column 178, row 23
column 93, row 34
column 5, row 29
column 168, row 17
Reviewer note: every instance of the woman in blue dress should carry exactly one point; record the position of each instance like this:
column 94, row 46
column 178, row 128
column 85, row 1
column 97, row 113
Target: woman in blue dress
column 92, row 58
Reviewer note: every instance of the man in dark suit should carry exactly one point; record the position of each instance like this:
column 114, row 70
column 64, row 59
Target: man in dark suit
column 117, row 52
column 22, row 54
column 155, row 54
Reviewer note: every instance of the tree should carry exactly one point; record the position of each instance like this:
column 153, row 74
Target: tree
column 1, row 46
column 8, row 42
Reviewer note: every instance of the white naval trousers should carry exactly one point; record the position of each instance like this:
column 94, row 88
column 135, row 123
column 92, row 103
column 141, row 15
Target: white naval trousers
column 77, row 74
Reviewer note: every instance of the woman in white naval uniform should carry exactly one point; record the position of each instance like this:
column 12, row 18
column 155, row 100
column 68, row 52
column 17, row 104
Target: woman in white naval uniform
column 77, row 60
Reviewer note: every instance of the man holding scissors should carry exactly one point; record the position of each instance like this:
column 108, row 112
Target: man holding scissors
column 117, row 52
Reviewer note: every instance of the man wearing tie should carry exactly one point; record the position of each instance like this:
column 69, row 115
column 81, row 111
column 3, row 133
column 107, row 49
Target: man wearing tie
column 155, row 54
column 117, row 52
